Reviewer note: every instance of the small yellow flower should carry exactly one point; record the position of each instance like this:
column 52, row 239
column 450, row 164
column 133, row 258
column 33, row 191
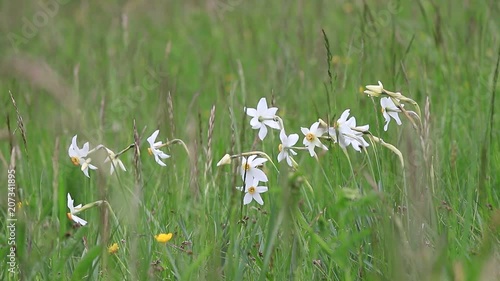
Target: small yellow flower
column 163, row 238
column 336, row 60
column 113, row 248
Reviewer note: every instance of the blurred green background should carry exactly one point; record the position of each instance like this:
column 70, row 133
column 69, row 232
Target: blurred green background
column 93, row 67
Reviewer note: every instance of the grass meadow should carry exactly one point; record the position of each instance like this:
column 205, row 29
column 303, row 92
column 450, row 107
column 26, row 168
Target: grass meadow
column 113, row 72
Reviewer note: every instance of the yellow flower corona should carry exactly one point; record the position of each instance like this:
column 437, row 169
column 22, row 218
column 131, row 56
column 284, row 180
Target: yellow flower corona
column 163, row 238
column 251, row 190
column 75, row 161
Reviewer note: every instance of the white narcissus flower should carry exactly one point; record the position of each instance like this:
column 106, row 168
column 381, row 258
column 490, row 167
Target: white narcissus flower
column 252, row 192
column 389, row 109
column 115, row 162
column 311, row 139
column 78, row 156
column 262, row 117
column 74, row 209
column 249, row 170
column 349, row 133
column 285, row 148
column 374, row 90
column 153, row 148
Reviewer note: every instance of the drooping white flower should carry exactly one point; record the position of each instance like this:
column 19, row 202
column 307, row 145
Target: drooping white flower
column 262, row 117
column 253, row 191
column 311, row 139
column 115, row 162
column 153, row 148
column 374, row 90
column 249, row 169
column 389, row 109
column 74, row 209
column 79, row 156
column 349, row 133
column 285, row 148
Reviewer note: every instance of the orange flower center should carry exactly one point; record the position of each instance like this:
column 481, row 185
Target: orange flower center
column 310, row 136
column 75, row 161
column 150, row 151
column 251, row 190
column 69, row 216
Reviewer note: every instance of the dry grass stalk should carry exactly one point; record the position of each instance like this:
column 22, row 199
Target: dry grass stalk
column 20, row 123
column 193, row 152
column 137, row 161
column 12, row 164
column 170, row 108
column 209, row 156
column 102, row 113
column 55, row 172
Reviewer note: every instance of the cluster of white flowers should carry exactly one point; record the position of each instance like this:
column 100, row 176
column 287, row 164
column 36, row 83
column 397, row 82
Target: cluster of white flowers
column 388, row 103
column 344, row 132
column 80, row 156
column 251, row 176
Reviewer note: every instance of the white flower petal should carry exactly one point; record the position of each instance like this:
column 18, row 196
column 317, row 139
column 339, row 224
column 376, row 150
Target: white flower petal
column 262, row 105
column 70, row 203
column 85, row 150
column 86, row 172
column 292, row 140
column 251, row 112
column 247, row 199
column 258, row 161
column 152, row 138
column 311, row 150
column 120, row 163
column 157, row 159
column 314, row 127
column 281, row 155
column 256, row 196
column 395, row 116
column 259, row 175
column 78, row 220
column 271, row 112
column 261, row 189
column 262, row 132
column 344, row 115
column 272, row 124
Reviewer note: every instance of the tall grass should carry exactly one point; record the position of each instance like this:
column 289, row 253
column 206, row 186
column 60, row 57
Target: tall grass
column 115, row 72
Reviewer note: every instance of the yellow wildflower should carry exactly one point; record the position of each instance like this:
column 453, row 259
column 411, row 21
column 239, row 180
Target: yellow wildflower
column 163, row 238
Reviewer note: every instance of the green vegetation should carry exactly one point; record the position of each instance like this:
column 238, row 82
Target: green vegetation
column 104, row 70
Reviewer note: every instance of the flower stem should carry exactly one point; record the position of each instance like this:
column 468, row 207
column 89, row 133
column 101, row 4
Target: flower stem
column 175, row 141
